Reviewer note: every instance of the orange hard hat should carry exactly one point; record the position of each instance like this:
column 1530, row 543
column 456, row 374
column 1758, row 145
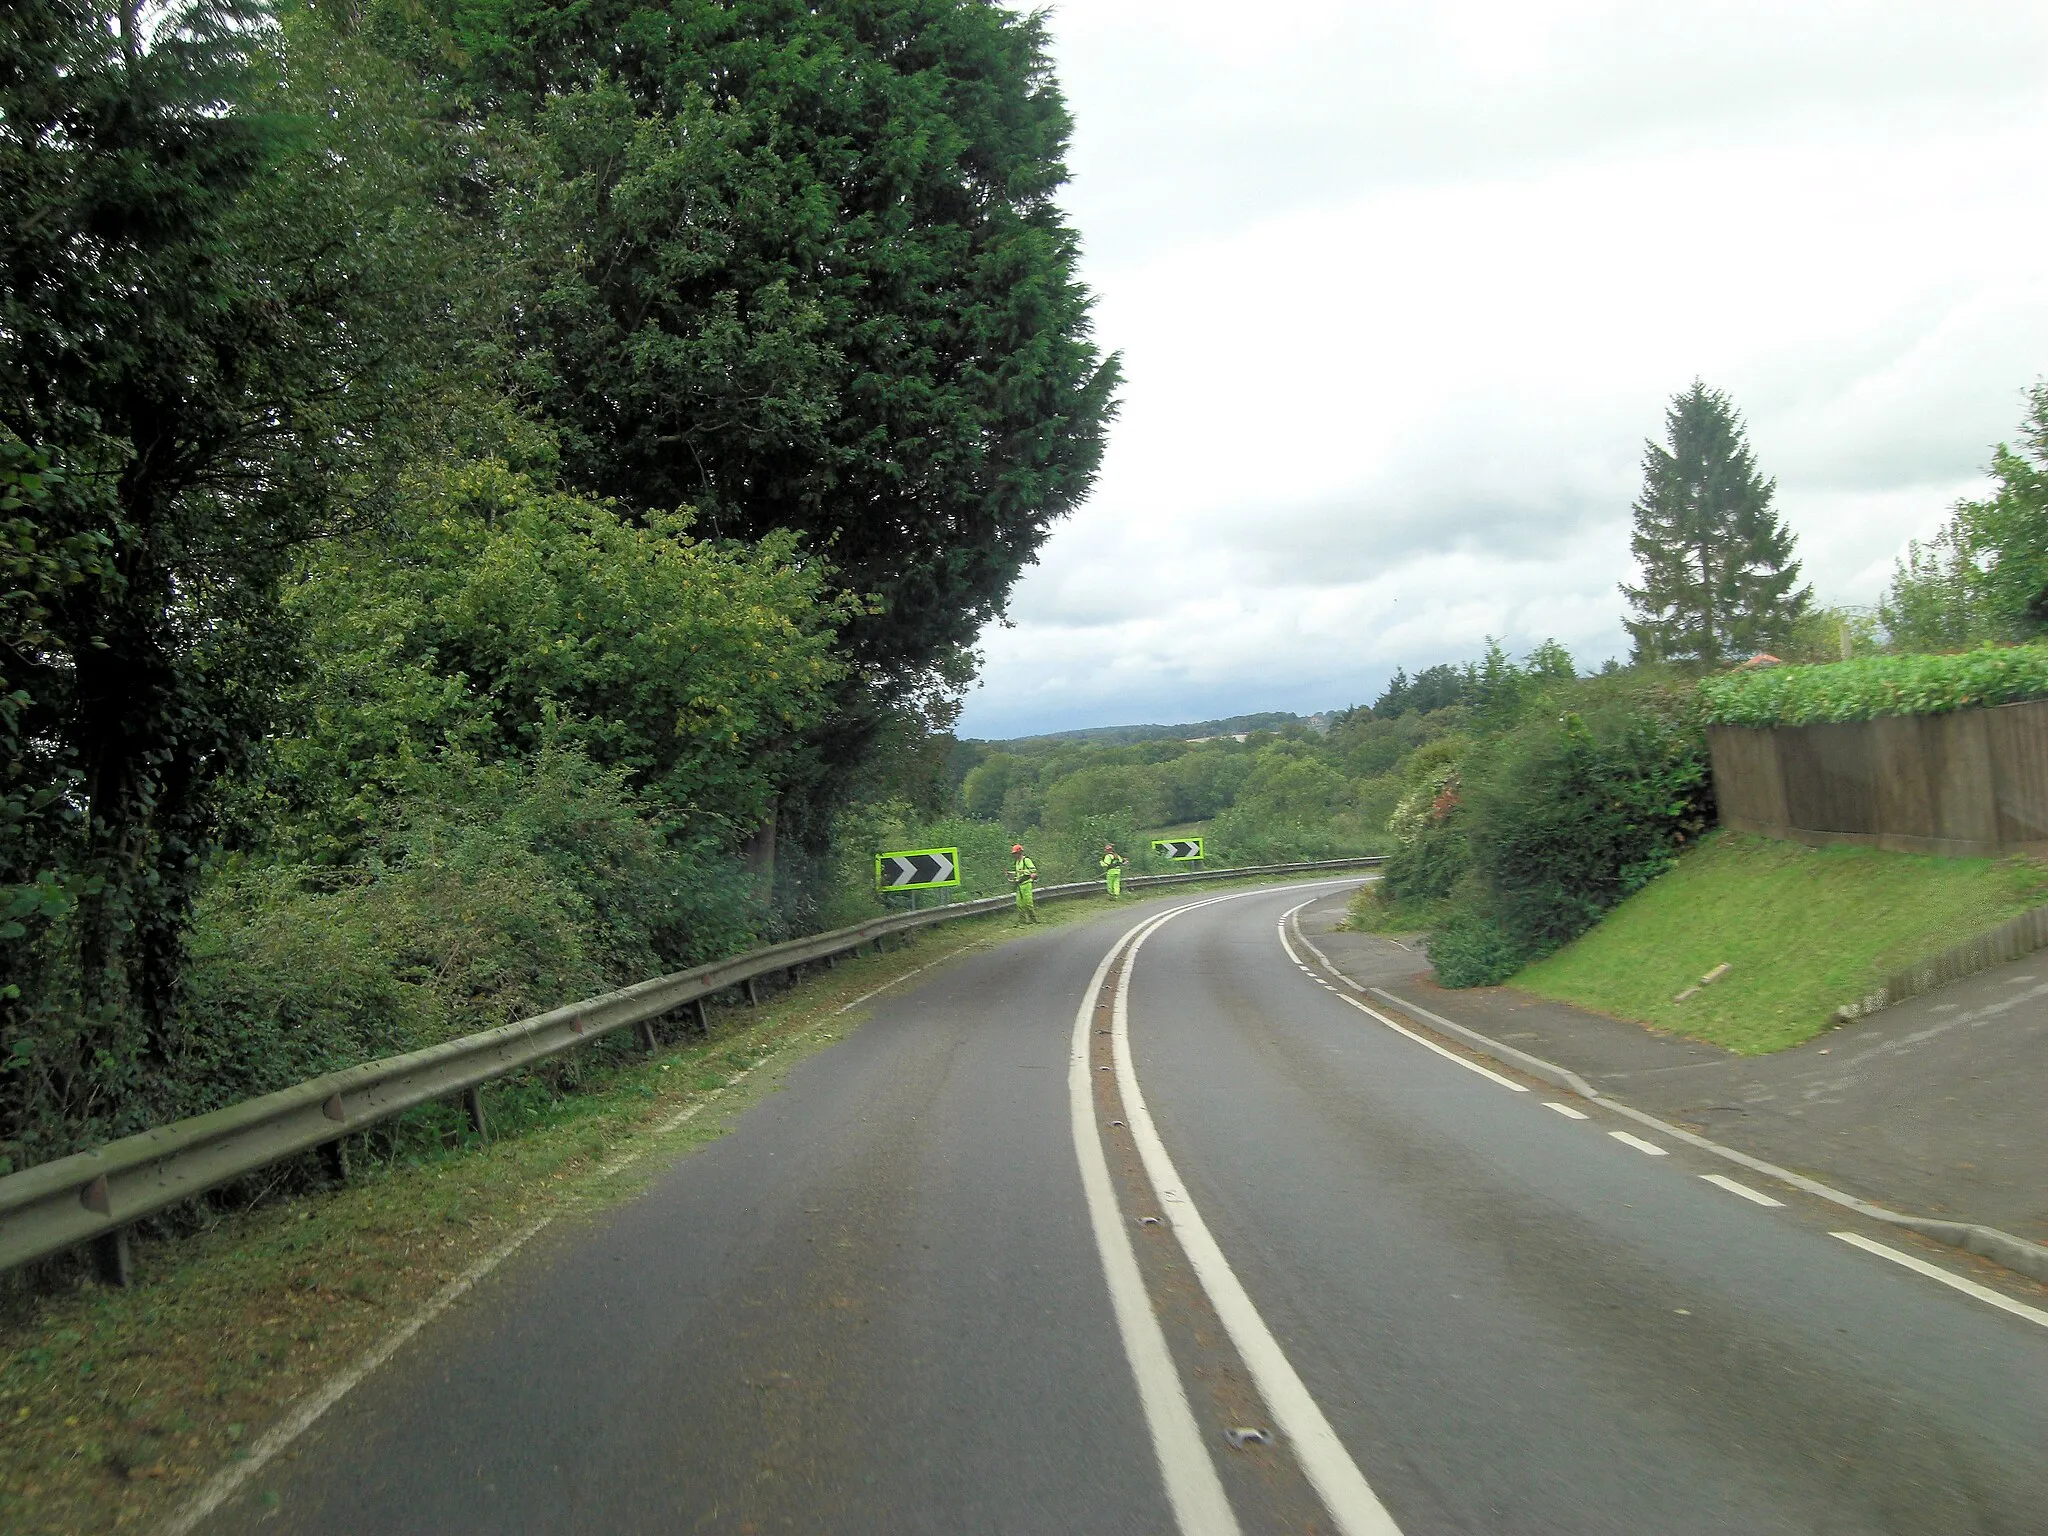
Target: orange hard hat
column 1016, row 847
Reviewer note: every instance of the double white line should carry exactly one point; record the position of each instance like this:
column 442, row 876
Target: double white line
column 1185, row 1465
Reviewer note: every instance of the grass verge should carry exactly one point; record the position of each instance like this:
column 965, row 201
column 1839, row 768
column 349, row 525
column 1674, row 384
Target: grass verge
column 1804, row 931
column 118, row 1404
column 1370, row 911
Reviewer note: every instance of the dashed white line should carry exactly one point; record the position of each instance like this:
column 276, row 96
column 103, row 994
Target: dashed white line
column 1734, row 1188
column 1983, row 1293
column 1423, row 1040
column 1638, row 1143
column 1756, row 1196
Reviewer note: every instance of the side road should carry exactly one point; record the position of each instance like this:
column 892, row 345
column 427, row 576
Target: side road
column 1931, row 1108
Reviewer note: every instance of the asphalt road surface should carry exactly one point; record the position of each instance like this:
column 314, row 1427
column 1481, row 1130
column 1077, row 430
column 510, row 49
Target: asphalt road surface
column 1037, row 1245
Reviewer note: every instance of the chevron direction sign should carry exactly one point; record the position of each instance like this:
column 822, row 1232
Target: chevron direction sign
column 1177, row 847
column 918, row 870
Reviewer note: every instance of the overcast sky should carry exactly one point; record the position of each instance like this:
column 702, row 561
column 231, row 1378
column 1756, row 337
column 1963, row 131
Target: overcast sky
column 1401, row 288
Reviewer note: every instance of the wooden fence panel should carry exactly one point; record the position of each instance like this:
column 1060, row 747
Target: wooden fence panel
column 1747, row 783
column 1830, row 779
column 1974, row 782
column 2017, row 737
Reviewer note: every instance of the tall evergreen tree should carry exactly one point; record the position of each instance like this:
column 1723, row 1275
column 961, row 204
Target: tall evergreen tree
column 1717, row 569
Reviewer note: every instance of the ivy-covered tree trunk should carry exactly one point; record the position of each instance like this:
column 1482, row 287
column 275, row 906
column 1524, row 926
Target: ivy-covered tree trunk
column 189, row 374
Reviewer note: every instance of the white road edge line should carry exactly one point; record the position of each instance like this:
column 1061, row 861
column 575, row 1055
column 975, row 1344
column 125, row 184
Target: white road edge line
column 1566, row 1110
column 1638, row 1143
column 1352, row 1504
column 1193, row 1489
column 1423, row 1040
column 1736, row 1188
column 1797, row 1181
column 1936, row 1272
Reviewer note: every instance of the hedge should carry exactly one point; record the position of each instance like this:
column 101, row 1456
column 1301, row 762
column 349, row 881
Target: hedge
column 1870, row 686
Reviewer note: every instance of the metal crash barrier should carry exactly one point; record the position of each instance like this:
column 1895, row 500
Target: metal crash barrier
column 92, row 1197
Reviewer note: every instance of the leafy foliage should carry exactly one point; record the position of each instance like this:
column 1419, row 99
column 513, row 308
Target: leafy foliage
column 1567, row 821
column 1469, row 949
column 1515, row 838
column 1717, row 566
column 464, row 470
column 491, row 614
column 1870, row 686
column 1985, row 575
column 1430, row 689
column 198, row 367
column 801, row 267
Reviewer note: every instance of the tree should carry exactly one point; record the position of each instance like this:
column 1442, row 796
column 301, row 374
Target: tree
column 1432, row 688
column 1985, row 575
column 1717, row 569
column 490, row 615
column 195, row 365
column 801, row 268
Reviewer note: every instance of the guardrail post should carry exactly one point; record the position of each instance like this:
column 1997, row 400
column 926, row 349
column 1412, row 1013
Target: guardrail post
column 649, row 1037
column 335, row 1155
column 112, row 1259
column 753, row 997
column 701, row 1017
column 473, row 1101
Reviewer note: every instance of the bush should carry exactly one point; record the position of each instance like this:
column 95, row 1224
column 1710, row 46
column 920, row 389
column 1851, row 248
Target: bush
column 487, row 893
column 1072, row 851
column 860, row 832
column 1516, row 843
column 1566, row 823
column 1242, row 836
column 506, row 890
column 1470, row 949
column 1432, row 851
column 1872, row 686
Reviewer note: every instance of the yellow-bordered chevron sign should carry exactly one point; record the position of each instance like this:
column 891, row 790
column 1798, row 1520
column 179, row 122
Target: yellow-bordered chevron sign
column 1177, row 847
column 920, row 869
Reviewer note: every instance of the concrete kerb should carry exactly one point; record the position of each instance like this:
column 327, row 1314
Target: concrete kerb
column 2014, row 1253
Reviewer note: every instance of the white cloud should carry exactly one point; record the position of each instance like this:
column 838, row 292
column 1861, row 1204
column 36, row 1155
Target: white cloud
column 1401, row 289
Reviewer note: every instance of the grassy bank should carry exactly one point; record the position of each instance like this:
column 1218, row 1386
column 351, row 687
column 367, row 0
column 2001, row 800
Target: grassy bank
column 1804, row 931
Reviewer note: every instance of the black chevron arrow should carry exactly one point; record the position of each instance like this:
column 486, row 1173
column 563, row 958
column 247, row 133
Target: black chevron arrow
column 904, row 871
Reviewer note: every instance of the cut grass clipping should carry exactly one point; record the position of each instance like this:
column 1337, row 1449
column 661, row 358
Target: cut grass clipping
column 117, row 1405
column 1804, row 930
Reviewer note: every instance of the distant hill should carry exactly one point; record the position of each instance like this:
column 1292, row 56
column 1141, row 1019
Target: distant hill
column 1124, row 735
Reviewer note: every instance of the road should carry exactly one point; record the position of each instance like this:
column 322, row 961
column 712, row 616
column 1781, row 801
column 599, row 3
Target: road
column 905, row 1295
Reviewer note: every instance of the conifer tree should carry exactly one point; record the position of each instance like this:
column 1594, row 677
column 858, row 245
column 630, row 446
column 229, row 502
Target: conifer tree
column 1717, row 569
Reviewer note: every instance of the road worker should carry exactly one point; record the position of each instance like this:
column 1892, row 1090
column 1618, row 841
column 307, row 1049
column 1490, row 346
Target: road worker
column 1113, row 869
column 1023, row 875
